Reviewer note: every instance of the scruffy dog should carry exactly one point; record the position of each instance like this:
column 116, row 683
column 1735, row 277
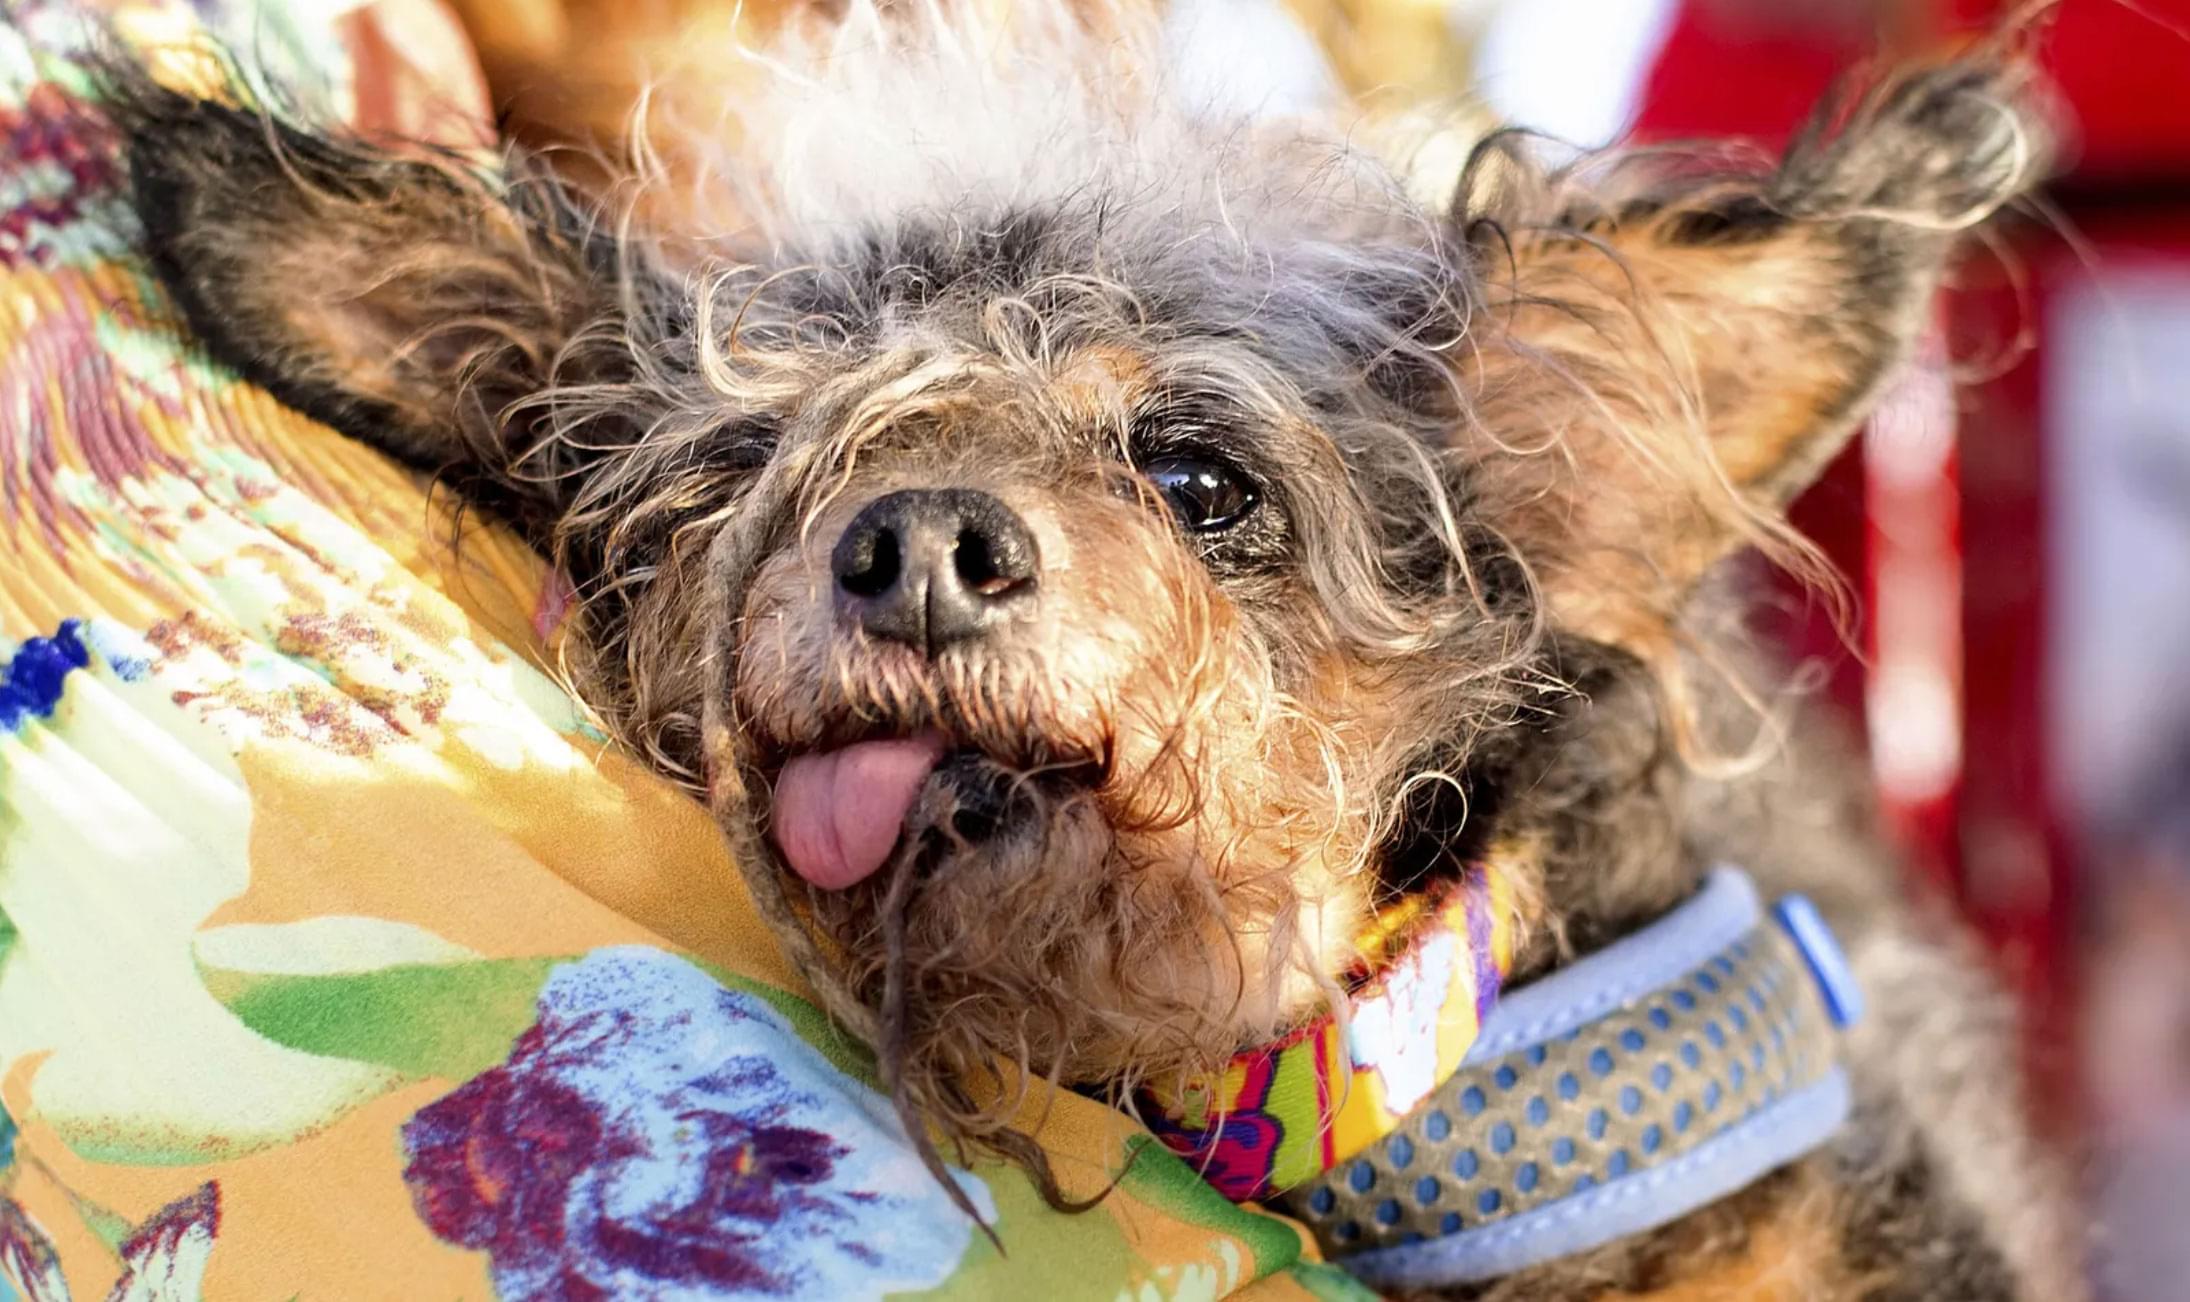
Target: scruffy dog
column 1090, row 556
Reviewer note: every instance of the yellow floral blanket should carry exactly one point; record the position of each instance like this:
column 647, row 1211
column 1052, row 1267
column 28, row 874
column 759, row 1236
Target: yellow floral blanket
column 340, row 957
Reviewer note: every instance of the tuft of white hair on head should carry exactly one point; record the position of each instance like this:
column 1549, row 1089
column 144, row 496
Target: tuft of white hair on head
column 831, row 130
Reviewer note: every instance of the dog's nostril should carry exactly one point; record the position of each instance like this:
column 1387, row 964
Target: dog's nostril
column 870, row 564
column 982, row 569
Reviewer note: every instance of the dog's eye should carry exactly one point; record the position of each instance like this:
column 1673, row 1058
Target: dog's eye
column 1205, row 493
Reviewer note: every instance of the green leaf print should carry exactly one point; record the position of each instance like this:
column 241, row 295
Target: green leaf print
column 446, row 1020
column 1159, row 1177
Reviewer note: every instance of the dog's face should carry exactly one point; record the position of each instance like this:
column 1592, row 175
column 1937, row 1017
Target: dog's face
column 1074, row 659
column 1081, row 612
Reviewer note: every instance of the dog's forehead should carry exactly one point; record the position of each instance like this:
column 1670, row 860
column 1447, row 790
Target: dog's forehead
column 1125, row 315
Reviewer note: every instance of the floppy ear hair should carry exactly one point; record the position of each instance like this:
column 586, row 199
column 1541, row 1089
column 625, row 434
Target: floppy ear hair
column 1669, row 359
column 405, row 297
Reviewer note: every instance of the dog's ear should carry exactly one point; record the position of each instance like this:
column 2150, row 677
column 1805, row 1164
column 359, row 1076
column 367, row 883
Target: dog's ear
column 1670, row 356
column 403, row 295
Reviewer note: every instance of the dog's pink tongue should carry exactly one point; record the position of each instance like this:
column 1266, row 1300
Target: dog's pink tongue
column 838, row 812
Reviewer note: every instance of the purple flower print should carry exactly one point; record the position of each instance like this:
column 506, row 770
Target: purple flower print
column 654, row 1135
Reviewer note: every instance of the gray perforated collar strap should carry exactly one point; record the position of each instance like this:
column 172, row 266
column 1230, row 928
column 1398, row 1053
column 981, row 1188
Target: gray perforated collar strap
column 1617, row 1094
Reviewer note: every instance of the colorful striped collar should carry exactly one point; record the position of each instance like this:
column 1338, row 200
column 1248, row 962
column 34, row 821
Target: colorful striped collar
column 1282, row 1114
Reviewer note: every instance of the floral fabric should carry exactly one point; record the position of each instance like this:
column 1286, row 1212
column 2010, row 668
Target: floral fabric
column 340, row 957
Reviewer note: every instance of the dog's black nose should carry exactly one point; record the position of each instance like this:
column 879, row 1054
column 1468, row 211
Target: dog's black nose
column 931, row 566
